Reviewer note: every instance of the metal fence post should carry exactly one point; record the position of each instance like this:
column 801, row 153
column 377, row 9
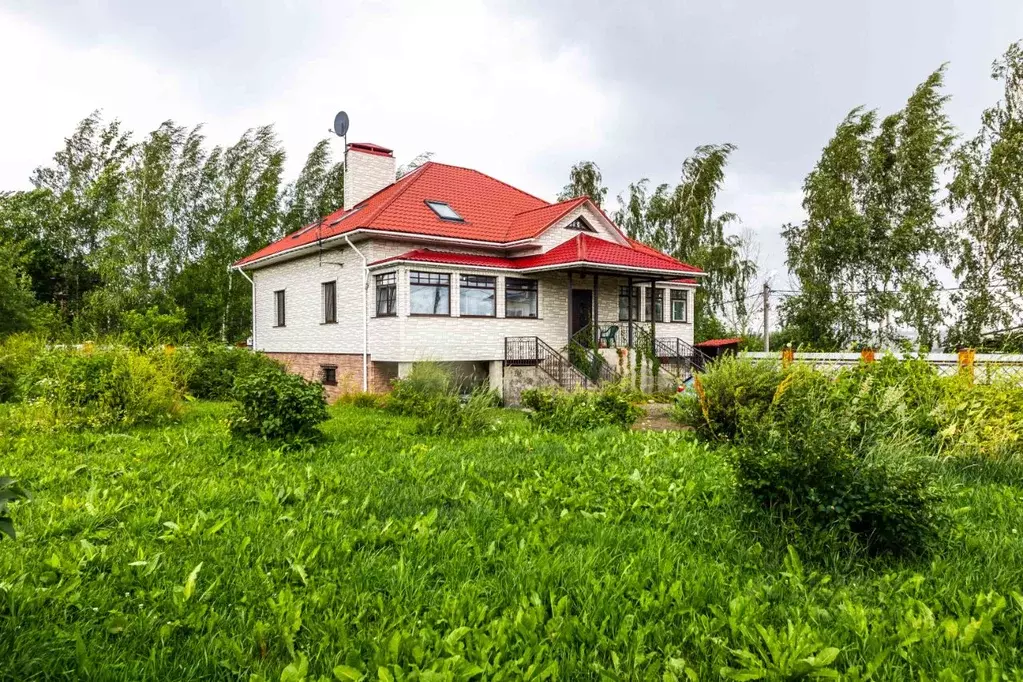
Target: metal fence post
column 966, row 358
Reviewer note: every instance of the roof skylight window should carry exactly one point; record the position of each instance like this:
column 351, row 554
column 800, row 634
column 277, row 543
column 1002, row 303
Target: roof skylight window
column 444, row 212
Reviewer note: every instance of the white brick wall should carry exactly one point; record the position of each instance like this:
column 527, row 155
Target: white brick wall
column 404, row 338
column 365, row 175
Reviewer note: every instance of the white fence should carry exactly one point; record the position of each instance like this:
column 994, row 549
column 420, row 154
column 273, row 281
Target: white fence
column 984, row 366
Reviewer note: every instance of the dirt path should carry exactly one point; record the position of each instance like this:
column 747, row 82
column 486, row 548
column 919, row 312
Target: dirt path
column 657, row 418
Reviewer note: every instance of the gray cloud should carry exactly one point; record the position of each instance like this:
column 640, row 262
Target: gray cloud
column 773, row 78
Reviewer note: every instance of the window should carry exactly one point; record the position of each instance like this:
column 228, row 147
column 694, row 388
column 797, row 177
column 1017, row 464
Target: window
column 430, row 293
column 477, row 296
column 679, row 305
column 656, row 314
column 444, row 212
column 520, row 297
column 279, row 308
column 387, row 294
column 328, row 375
column 579, row 224
column 329, row 302
column 623, row 303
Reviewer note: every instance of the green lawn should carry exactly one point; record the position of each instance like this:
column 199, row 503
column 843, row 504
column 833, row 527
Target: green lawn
column 179, row 553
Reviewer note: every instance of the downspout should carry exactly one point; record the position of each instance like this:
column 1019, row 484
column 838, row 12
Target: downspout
column 365, row 316
column 246, row 276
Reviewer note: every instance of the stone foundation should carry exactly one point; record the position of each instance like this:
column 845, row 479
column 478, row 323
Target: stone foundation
column 349, row 371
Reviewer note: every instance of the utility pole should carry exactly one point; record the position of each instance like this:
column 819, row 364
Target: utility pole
column 767, row 308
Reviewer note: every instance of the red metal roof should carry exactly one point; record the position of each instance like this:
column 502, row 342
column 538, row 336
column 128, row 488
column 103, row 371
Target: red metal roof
column 583, row 249
column 493, row 211
column 714, row 343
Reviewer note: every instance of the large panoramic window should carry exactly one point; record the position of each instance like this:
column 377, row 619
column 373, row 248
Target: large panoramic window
column 623, row 303
column 430, row 293
column 329, row 302
column 387, row 294
column 655, row 305
column 520, row 297
column 477, row 296
column 679, row 305
column 279, row 308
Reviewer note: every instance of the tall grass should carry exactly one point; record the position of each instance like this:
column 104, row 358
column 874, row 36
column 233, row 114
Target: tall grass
column 176, row 552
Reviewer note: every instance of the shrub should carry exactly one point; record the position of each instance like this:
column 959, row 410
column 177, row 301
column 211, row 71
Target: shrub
column 449, row 414
column 982, row 420
column 362, row 399
column 430, row 393
column 210, row 370
column 556, row 410
column 809, row 458
column 277, row 405
column 97, row 388
column 17, row 352
column 731, row 389
column 415, row 395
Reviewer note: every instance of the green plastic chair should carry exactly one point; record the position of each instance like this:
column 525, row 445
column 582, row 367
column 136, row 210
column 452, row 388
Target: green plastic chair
column 610, row 336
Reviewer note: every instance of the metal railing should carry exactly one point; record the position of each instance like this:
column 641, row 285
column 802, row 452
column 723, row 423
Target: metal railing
column 587, row 359
column 532, row 351
column 680, row 355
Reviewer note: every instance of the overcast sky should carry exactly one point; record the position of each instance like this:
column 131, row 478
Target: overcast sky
column 517, row 89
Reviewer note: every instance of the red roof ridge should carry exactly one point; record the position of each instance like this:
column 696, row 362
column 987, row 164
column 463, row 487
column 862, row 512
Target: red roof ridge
column 549, row 205
column 491, row 177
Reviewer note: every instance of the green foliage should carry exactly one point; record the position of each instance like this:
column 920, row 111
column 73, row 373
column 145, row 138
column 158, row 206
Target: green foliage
column 93, row 388
column 582, row 556
column 415, row 394
column 209, row 370
column 980, row 419
column 430, row 393
column 9, row 492
column 556, row 410
column 987, row 236
column 728, row 391
column 152, row 327
column 865, row 256
column 584, row 180
column 273, row 404
column 819, row 457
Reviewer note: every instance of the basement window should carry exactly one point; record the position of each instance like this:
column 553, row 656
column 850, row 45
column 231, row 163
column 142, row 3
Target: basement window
column 444, row 212
column 328, row 375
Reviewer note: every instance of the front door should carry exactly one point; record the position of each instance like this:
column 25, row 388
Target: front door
column 582, row 309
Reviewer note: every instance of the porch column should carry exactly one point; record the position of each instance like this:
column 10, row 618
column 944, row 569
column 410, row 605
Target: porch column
column 596, row 311
column 629, row 314
column 653, row 316
column 569, row 306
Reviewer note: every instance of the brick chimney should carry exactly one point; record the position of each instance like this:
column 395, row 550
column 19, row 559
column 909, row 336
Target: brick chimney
column 368, row 169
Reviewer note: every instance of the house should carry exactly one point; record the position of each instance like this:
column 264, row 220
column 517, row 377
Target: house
column 448, row 264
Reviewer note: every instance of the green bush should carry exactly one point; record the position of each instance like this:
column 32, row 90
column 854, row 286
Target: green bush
column 810, row 457
column 449, row 414
column 415, row 395
column 98, row 388
column 979, row 420
column 210, row 370
column 277, row 405
column 556, row 410
column 430, row 393
column 17, row 353
column 730, row 390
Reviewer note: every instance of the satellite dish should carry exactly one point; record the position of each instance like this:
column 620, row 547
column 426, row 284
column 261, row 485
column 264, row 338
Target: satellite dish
column 341, row 124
